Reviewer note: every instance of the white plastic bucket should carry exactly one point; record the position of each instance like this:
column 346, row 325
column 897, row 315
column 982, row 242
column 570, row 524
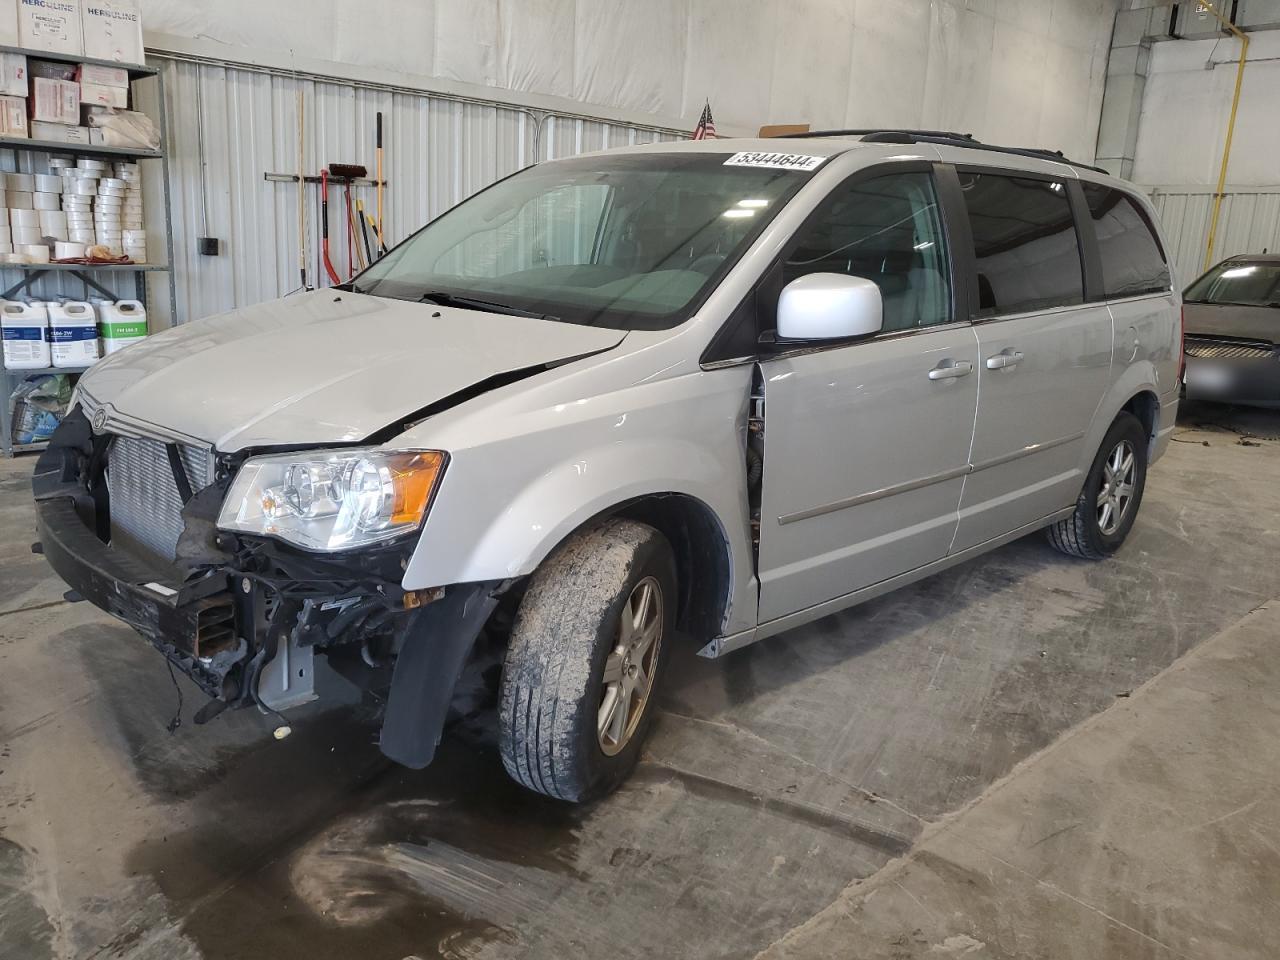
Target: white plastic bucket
column 121, row 323
column 25, row 329
column 73, row 332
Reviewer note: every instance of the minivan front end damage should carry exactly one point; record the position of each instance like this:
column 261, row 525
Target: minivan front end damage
column 244, row 615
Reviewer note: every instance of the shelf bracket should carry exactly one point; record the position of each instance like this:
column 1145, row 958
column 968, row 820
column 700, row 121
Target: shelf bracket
column 35, row 275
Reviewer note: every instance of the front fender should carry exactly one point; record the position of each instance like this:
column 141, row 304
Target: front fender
column 507, row 500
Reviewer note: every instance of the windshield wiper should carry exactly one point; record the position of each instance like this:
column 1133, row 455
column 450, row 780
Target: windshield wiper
column 472, row 303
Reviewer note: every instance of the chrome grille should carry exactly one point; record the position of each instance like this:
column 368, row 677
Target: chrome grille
column 1221, row 350
column 146, row 510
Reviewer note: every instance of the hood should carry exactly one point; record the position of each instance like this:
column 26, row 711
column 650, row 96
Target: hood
column 322, row 367
column 1247, row 323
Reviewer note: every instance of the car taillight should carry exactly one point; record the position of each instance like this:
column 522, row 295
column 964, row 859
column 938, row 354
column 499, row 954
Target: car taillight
column 1182, row 345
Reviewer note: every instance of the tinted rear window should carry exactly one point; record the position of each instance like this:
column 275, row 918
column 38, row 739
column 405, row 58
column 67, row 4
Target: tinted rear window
column 1028, row 256
column 1132, row 261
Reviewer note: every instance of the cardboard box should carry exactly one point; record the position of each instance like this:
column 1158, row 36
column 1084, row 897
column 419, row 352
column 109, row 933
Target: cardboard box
column 9, row 23
column 13, row 117
column 105, row 76
column 97, row 137
column 782, row 129
column 13, row 75
column 105, row 96
column 112, row 30
column 55, row 101
column 49, row 131
column 51, row 69
column 52, row 25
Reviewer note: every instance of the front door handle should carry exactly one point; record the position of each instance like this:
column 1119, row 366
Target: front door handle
column 1006, row 358
column 948, row 370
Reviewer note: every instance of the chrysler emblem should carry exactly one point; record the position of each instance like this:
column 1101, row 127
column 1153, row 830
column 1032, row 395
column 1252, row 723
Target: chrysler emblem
column 99, row 419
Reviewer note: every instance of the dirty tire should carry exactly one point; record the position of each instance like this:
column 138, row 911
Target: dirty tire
column 1080, row 535
column 564, row 631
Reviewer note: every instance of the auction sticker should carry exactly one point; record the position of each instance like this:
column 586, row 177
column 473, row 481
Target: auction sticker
column 776, row 161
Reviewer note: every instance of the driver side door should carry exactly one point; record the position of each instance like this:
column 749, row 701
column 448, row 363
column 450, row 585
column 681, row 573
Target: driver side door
column 867, row 442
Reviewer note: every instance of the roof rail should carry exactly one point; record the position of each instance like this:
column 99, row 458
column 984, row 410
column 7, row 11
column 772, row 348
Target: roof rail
column 946, row 138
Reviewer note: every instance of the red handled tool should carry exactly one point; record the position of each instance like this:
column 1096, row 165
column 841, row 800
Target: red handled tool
column 324, row 226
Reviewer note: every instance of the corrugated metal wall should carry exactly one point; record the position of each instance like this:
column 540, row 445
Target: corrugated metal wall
column 244, row 123
column 1249, row 223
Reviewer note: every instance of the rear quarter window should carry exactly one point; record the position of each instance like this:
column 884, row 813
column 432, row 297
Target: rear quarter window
column 1132, row 261
column 1025, row 243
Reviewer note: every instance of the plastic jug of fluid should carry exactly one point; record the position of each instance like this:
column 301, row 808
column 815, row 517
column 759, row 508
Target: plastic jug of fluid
column 73, row 333
column 25, row 329
column 121, row 322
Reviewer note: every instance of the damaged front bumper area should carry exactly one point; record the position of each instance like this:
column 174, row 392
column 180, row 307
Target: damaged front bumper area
column 244, row 617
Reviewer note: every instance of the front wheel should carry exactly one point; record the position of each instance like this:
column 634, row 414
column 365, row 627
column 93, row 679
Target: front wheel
column 587, row 652
column 1112, row 493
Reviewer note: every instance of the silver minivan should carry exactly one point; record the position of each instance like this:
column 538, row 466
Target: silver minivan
column 678, row 393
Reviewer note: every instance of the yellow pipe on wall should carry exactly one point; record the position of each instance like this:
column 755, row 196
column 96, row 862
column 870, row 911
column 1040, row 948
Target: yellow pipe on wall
column 1231, row 129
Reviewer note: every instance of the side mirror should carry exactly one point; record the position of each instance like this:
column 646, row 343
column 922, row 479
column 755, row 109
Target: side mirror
column 829, row 306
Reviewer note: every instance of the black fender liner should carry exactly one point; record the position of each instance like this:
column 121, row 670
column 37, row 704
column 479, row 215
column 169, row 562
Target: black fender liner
column 436, row 646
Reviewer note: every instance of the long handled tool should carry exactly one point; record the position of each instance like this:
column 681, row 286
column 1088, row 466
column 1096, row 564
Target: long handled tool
column 381, row 243
column 361, row 261
column 302, row 198
column 364, row 231
column 345, row 173
column 351, row 253
column 380, row 250
column 324, row 226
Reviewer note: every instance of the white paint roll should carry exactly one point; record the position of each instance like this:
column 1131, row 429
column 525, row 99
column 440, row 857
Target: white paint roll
column 48, row 183
column 46, row 201
column 24, row 218
column 68, row 250
column 23, row 182
column 18, row 199
column 35, row 252
column 26, row 235
column 82, row 188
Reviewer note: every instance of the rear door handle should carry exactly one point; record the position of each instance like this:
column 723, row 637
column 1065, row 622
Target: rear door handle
column 1007, row 358
column 947, row 370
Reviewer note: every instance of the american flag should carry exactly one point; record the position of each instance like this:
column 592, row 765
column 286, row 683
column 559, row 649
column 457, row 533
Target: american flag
column 706, row 129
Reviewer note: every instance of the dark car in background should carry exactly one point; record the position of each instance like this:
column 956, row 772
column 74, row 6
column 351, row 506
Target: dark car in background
column 1231, row 321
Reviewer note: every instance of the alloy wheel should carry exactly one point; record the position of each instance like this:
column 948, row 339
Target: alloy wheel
column 1116, row 493
column 629, row 669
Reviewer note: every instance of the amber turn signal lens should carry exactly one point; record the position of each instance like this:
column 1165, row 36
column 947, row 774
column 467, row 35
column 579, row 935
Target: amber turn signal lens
column 413, row 478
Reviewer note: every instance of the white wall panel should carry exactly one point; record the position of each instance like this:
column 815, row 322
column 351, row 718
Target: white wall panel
column 1187, row 104
column 230, row 125
column 1029, row 68
column 1249, row 223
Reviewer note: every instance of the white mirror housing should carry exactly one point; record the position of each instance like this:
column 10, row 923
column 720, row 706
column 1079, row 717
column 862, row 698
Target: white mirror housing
column 829, row 306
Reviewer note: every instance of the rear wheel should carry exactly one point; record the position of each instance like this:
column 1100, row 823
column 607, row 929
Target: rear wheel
column 587, row 652
column 1112, row 493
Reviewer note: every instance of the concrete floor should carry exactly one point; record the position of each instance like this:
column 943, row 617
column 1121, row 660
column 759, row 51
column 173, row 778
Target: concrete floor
column 980, row 766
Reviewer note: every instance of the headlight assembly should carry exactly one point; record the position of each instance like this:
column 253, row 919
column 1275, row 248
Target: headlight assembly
column 333, row 499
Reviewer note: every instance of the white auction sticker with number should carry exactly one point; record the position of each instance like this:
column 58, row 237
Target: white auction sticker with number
column 777, row 161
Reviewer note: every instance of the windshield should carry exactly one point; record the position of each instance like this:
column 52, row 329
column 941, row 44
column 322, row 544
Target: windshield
column 1236, row 283
column 631, row 242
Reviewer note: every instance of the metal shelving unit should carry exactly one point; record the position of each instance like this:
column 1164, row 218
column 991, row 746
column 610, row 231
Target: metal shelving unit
column 91, row 276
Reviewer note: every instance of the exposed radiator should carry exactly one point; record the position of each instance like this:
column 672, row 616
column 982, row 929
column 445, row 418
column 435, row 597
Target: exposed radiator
column 1223, row 350
column 146, row 510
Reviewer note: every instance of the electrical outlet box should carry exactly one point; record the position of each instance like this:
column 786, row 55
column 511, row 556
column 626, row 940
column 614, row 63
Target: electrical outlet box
column 207, row 246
